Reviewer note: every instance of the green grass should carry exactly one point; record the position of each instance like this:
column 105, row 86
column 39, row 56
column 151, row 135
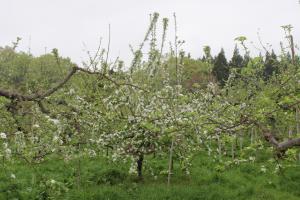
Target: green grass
column 101, row 179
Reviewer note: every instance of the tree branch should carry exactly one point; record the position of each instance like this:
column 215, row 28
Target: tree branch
column 38, row 97
column 283, row 146
column 279, row 146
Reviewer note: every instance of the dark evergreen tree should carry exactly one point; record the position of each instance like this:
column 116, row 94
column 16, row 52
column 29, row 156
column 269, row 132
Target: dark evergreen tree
column 271, row 65
column 236, row 60
column 220, row 69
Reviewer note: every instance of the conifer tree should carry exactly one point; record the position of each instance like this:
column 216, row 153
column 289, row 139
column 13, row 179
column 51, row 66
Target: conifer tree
column 236, row 60
column 220, row 69
column 271, row 65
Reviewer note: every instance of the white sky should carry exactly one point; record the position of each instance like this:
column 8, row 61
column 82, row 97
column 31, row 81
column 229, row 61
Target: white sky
column 67, row 24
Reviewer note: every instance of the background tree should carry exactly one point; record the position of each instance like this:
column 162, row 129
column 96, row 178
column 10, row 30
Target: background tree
column 237, row 60
column 207, row 54
column 220, row 69
column 271, row 65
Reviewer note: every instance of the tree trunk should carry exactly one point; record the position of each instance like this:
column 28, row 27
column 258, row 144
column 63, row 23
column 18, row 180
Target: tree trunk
column 140, row 166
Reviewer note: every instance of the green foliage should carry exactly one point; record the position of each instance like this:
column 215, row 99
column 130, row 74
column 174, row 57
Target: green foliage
column 27, row 74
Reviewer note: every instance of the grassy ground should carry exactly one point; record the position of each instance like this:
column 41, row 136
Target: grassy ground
column 100, row 179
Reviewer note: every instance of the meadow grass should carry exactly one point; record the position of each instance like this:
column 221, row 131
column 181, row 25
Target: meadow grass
column 101, row 179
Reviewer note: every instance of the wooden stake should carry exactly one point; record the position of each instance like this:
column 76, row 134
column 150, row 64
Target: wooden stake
column 170, row 162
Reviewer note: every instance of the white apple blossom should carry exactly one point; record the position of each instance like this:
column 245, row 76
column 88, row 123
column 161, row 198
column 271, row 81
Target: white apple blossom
column 36, row 126
column 13, row 176
column 263, row 169
column 2, row 135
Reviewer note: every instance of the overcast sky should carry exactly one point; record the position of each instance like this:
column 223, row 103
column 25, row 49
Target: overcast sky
column 67, row 24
